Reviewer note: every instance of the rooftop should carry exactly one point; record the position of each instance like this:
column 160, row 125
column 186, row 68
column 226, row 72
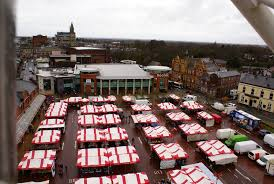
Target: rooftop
column 88, row 48
column 257, row 80
column 114, row 71
column 224, row 74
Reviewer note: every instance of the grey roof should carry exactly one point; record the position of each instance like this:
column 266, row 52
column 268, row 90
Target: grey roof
column 258, row 80
column 109, row 71
column 22, row 85
column 224, row 74
column 220, row 61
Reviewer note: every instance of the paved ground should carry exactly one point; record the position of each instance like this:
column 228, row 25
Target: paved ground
column 245, row 171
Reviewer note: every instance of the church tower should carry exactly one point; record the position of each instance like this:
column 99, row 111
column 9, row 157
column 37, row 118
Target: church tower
column 71, row 29
column 72, row 35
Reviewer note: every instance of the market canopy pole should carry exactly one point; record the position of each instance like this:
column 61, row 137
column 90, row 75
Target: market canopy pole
column 7, row 93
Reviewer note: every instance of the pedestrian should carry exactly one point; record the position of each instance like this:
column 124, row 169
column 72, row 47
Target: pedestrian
column 132, row 140
column 66, row 168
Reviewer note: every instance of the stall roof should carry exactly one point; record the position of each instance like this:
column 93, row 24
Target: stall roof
column 178, row 116
column 191, row 174
column 73, row 100
column 140, row 107
column 172, row 151
column 99, row 135
column 174, row 97
column 92, row 119
column 110, row 98
column 128, row 98
column 167, row 106
column 34, row 154
column 156, row 132
column 144, row 118
column 193, row 128
column 92, row 109
column 52, row 122
column 47, row 137
column 204, row 115
column 214, row 147
column 36, row 164
column 57, row 110
column 192, row 105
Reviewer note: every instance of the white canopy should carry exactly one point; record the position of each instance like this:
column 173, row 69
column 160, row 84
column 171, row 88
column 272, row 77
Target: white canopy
column 178, row 116
column 213, row 147
column 144, row 118
column 167, row 106
column 100, row 135
column 57, row 110
column 73, row 100
column 193, row 128
column 192, row 105
column 52, row 122
column 174, row 97
column 94, row 180
column 156, row 132
column 36, row 164
column 128, row 98
column 92, row 109
column 204, row 115
column 47, row 137
column 140, row 107
column 171, row 151
column 34, row 154
column 110, row 98
column 92, row 119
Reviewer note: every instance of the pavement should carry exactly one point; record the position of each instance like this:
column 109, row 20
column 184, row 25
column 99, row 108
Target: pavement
column 244, row 172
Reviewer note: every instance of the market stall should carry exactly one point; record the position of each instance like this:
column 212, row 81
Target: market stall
column 174, row 98
column 217, row 152
column 114, row 135
column 90, row 120
column 141, row 109
column 170, row 155
column 189, row 174
column 205, row 118
column 128, row 99
column 49, row 124
column 144, row 119
column 94, row 180
column 104, row 109
column 73, row 100
column 194, row 132
column 156, row 134
column 178, row 117
column 167, row 106
column 39, row 154
column 36, row 164
column 100, row 99
column 191, row 106
column 47, row 139
column 57, row 110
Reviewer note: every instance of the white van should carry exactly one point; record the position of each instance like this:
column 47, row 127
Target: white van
column 190, row 98
column 256, row 154
column 245, row 146
column 269, row 139
column 263, row 160
column 218, row 106
column 225, row 133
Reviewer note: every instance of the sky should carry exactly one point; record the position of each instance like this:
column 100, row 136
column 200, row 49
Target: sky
column 180, row 20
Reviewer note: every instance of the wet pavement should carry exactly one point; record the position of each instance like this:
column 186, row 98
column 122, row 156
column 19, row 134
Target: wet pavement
column 245, row 171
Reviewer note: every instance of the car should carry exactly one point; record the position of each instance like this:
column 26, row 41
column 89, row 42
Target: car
column 263, row 132
column 263, row 160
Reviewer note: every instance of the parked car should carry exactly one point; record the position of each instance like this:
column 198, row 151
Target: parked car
column 218, row 106
column 257, row 154
column 190, row 98
column 263, row 132
column 263, row 160
column 269, row 139
column 234, row 139
column 246, row 146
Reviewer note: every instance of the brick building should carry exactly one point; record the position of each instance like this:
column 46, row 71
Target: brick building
column 97, row 55
column 66, row 39
column 39, row 40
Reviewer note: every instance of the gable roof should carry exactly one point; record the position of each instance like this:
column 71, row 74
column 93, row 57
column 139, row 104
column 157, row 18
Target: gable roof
column 257, row 80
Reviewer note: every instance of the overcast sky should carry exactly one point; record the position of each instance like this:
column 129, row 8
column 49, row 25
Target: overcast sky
column 183, row 20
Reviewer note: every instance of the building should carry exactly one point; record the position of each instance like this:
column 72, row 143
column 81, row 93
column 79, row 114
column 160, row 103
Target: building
column 263, row 71
column 39, row 40
column 117, row 79
column 66, row 39
column 204, row 75
column 97, row 55
column 256, row 91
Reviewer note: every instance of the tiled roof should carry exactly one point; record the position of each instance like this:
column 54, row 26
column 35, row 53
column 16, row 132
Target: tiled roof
column 261, row 81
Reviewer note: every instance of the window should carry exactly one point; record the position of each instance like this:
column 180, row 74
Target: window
column 264, row 106
column 252, row 91
column 269, row 106
column 47, row 84
column 271, row 96
column 262, row 94
column 244, row 89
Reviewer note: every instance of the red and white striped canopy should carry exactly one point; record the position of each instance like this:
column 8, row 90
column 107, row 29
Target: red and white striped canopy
column 172, row 151
column 110, row 98
column 192, row 105
column 144, row 118
column 92, row 109
column 85, row 100
column 191, row 174
column 204, row 115
column 47, row 137
column 167, row 106
column 156, row 132
column 93, row 120
column 91, row 152
column 178, row 116
column 36, row 164
column 52, row 122
column 94, row 180
column 192, row 129
column 101, row 135
column 95, row 161
column 34, row 154
column 73, row 100
column 128, row 158
column 132, row 178
column 140, row 107
column 174, row 97
column 127, row 98
column 213, row 147
column 57, row 110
